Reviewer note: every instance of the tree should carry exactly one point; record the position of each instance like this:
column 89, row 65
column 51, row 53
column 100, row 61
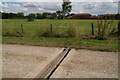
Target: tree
column 54, row 16
column 39, row 16
column 31, row 17
column 59, row 14
column 0, row 15
column 11, row 15
column 117, row 16
column 66, row 7
column 20, row 15
column 44, row 15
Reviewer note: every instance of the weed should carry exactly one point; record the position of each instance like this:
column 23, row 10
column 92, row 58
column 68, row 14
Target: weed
column 105, row 29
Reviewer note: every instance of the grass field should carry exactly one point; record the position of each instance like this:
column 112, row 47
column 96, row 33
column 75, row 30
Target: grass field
column 38, row 27
column 34, row 30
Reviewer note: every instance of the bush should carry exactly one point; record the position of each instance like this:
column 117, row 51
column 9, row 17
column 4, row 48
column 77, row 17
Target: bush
column 105, row 29
column 11, row 33
column 31, row 19
column 72, row 32
column 15, row 33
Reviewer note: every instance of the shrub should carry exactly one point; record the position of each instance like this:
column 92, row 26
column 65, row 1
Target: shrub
column 15, row 33
column 31, row 19
column 72, row 32
column 105, row 29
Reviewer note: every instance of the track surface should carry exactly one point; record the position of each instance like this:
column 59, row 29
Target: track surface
column 21, row 61
column 88, row 64
column 53, row 65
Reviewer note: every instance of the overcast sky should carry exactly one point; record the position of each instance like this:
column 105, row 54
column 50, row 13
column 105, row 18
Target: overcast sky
column 78, row 6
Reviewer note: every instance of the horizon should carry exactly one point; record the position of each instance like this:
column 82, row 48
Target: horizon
column 51, row 13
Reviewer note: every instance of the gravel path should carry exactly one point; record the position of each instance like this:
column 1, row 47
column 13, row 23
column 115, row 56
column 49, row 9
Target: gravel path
column 21, row 61
column 88, row 64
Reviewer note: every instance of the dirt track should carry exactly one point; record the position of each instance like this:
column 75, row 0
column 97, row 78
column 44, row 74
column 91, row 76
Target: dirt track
column 27, row 61
column 88, row 64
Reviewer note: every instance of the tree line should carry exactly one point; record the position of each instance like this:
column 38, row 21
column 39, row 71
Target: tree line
column 44, row 15
column 63, row 14
column 66, row 9
column 57, row 15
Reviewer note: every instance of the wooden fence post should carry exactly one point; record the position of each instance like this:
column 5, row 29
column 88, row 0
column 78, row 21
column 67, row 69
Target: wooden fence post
column 118, row 29
column 51, row 28
column 22, row 30
column 92, row 29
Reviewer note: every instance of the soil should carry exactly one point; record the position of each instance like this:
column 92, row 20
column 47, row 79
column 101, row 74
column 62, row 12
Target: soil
column 88, row 64
column 20, row 61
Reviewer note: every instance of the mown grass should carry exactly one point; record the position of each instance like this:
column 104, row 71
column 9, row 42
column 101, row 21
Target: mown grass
column 101, row 45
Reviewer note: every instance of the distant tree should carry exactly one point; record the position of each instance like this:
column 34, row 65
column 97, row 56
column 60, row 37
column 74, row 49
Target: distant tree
column 11, row 15
column 71, row 14
column 0, row 15
column 59, row 14
column 20, row 15
column 54, row 15
column 39, row 16
column 44, row 15
column 31, row 17
column 4, row 16
column 66, row 7
column 117, row 16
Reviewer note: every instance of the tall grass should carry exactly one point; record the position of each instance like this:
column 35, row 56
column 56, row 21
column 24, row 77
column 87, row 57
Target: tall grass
column 106, row 29
column 61, row 28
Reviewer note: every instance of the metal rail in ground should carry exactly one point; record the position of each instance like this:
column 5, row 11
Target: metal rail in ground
column 53, row 65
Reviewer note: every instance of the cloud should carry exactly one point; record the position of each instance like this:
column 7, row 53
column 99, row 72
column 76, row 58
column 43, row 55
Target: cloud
column 57, row 0
column 77, row 7
column 31, row 7
column 88, row 6
column 31, row 0
column 44, row 5
column 10, row 7
column 95, row 7
column 24, row 9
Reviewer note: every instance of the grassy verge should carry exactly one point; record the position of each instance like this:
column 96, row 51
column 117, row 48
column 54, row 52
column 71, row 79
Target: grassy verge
column 101, row 45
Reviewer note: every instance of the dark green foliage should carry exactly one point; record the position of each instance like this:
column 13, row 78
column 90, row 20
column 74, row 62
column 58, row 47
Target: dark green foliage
column 18, row 15
column 66, row 7
column 31, row 17
column 59, row 15
column 65, row 12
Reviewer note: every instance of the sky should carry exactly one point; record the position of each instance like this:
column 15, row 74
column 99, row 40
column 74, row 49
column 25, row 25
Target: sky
column 94, row 7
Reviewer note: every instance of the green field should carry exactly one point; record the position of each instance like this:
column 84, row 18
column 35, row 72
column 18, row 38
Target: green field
column 33, row 34
column 38, row 27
